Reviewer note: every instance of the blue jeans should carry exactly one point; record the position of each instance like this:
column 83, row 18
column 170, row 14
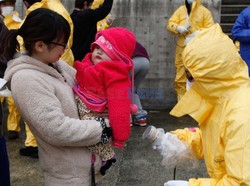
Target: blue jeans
column 141, row 68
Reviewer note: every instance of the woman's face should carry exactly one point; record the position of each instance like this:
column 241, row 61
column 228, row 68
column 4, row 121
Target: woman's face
column 49, row 53
column 56, row 50
column 98, row 55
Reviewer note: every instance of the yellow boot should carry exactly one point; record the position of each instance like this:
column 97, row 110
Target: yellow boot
column 13, row 125
column 30, row 148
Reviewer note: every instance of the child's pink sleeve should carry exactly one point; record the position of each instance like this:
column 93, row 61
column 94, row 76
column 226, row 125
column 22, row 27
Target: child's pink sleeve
column 119, row 111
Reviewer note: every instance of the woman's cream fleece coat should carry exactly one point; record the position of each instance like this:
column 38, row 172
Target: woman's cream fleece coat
column 45, row 99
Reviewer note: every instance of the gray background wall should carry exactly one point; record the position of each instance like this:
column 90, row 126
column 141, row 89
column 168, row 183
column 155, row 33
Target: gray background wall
column 147, row 19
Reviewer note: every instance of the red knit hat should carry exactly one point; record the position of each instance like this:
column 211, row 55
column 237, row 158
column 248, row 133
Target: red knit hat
column 118, row 43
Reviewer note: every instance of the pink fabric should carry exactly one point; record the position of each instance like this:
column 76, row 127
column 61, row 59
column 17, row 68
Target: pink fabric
column 107, row 47
column 120, row 40
column 109, row 80
column 92, row 102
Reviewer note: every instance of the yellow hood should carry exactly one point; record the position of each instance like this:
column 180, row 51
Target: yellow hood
column 195, row 4
column 215, row 64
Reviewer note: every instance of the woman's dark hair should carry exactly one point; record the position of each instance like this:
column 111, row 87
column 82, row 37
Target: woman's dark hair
column 31, row 2
column 80, row 3
column 188, row 6
column 40, row 25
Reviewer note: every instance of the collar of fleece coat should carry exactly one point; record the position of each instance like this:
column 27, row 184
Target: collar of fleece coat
column 26, row 62
column 218, row 71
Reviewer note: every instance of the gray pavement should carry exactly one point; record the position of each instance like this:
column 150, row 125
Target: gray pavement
column 138, row 164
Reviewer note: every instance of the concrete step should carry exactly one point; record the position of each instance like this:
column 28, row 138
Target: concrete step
column 232, row 9
column 227, row 27
column 235, row 2
column 228, row 18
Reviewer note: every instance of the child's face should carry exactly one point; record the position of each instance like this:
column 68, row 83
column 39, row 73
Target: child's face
column 98, row 55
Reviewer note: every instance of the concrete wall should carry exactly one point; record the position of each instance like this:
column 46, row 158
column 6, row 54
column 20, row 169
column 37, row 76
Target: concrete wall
column 147, row 19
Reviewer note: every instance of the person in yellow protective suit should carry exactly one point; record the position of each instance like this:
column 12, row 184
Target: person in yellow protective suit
column 186, row 20
column 58, row 7
column 12, row 21
column 219, row 101
column 105, row 23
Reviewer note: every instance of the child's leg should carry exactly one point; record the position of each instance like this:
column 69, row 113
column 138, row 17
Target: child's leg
column 106, row 153
column 104, row 150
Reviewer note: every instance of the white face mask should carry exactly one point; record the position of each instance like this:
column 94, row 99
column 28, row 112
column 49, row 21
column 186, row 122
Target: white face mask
column 190, row 1
column 7, row 10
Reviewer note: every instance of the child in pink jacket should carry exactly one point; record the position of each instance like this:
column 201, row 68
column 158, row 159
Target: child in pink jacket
column 103, row 87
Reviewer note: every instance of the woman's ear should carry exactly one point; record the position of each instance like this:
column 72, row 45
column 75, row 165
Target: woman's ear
column 39, row 46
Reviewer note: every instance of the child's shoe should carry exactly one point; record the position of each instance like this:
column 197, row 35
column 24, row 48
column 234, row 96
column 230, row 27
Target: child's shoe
column 106, row 165
column 140, row 120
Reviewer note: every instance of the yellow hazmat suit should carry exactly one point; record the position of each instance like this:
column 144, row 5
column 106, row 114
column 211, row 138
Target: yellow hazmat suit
column 12, row 21
column 219, row 101
column 58, row 7
column 14, row 117
column 103, row 24
column 199, row 18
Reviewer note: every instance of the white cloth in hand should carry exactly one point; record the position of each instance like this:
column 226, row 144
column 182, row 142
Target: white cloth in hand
column 5, row 92
column 157, row 144
column 175, row 152
column 176, row 183
column 182, row 30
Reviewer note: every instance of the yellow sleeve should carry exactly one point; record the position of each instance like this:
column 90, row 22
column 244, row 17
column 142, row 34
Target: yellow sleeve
column 224, row 181
column 235, row 170
column 208, row 18
column 103, row 24
column 174, row 21
column 34, row 7
column 193, row 138
column 96, row 4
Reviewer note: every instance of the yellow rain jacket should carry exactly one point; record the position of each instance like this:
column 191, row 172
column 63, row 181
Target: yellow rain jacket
column 101, row 25
column 58, row 7
column 12, row 21
column 199, row 18
column 219, row 100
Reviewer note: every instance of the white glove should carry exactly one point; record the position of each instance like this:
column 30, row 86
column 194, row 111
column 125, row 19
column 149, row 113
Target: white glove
column 182, row 30
column 176, row 183
column 2, row 83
